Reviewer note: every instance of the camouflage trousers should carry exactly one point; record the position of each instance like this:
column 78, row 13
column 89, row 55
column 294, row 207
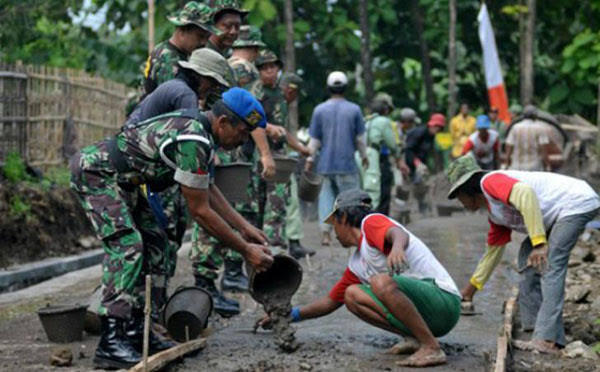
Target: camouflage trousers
column 133, row 242
column 273, row 199
column 207, row 253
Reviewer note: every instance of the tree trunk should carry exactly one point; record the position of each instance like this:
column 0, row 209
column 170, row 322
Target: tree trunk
column 527, row 29
column 290, row 60
column 425, row 60
column 452, row 91
column 598, row 108
column 365, row 50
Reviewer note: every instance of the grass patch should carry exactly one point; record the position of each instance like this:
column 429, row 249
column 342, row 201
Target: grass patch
column 14, row 168
column 18, row 207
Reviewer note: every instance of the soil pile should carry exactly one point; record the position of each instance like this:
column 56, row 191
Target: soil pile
column 37, row 223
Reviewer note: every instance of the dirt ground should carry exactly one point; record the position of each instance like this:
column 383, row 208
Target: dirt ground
column 339, row 341
column 53, row 225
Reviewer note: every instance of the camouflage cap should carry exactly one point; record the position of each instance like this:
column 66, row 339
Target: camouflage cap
column 219, row 6
column 385, row 98
column 266, row 56
column 250, row 36
column 194, row 13
column 207, row 62
column 290, row 78
column 459, row 172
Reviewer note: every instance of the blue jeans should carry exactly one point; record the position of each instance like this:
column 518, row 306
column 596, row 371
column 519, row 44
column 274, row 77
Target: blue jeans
column 333, row 184
column 542, row 296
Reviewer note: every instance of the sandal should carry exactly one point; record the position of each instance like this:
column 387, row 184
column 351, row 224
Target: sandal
column 408, row 346
column 541, row 348
column 426, row 361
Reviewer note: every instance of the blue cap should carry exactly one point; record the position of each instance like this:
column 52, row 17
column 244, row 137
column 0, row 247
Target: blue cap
column 246, row 107
column 483, row 122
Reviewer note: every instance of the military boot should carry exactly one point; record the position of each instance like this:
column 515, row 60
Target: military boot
column 297, row 250
column 226, row 307
column 134, row 329
column 234, row 278
column 115, row 350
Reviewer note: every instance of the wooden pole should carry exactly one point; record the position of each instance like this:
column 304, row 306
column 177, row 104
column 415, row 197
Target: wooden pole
column 147, row 309
column 150, row 25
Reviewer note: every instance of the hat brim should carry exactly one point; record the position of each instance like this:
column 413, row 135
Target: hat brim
column 329, row 219
column 461, row 181
column 249, row 44
column 206, row 27
column 193, row 67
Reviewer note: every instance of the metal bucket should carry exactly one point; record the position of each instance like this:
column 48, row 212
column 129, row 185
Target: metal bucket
column 309, row 186
column 188, row 307
column 280, row 282
column 284, row 167
column 63, row 323
column 233, row 179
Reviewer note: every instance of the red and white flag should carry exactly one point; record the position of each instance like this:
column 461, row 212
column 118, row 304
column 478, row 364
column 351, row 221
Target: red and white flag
column 491, row 63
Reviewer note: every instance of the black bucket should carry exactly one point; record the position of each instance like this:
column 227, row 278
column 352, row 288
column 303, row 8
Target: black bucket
column 281, row 281
column 63, row 324
column 284, row 167
column 233, row 179
column 309, row 186
column 188, row 307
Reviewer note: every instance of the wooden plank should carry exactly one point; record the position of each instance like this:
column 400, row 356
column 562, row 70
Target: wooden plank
column 160, row 360
column 505, row 337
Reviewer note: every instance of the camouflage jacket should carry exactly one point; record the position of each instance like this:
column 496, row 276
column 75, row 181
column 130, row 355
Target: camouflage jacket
column 162, row 65
column 273, row 102
column 245, row 71
column 170, row 149
column 225, row 53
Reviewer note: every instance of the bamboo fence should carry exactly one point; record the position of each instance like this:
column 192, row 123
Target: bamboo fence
column 47, row 113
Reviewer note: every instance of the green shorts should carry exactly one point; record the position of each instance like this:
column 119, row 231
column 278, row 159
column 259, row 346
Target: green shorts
column 439, row 309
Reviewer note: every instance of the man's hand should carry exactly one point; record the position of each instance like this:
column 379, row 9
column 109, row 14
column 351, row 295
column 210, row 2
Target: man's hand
column 402, row 167
column 259, row 257
column 254, row 235
column 396, row 260
column 268, row 165
column 538, row 258
column 265, row 323
column 304, row 151
column 308, row 164
column 275, row 132
column 468, row 292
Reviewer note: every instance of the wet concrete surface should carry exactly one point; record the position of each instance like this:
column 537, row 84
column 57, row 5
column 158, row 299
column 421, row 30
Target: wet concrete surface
column 339, row 341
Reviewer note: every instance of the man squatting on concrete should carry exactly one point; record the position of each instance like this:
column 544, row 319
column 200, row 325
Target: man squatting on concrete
column 420, row 303
column 552, row 210
column 174, row 148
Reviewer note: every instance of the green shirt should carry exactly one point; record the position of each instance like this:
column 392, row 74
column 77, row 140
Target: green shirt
column 380, row 133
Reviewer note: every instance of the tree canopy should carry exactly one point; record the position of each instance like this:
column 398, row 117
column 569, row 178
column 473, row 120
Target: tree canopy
column 327, row 38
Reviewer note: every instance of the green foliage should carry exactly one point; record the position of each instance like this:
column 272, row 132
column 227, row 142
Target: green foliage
column 14, row 168
column 18, row 207
column 59, row 176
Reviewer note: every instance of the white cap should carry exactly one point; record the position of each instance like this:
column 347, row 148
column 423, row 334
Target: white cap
column 337, row 79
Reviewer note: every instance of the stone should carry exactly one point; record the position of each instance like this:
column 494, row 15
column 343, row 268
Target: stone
column 305, row 366
column 87, row 242
column 577, row 293
column 578, row 349
column 61, row 357
column 596, row 304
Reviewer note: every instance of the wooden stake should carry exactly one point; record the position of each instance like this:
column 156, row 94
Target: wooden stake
column 147, row 309
column 150, row 26
column 159, row 360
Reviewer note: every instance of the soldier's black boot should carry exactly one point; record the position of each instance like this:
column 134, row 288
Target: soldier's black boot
column 234, row 278
column 226, row 307
column 115, row 350
column 135, row 331
column 297, row 250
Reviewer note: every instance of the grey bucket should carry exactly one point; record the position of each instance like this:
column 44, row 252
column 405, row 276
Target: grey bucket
column 281, row 280
column 309, row 186
column 284, row 167
column 63, row 324
column 188, row 307
column 233, row 179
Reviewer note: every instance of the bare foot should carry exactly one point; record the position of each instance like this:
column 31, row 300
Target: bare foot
column 407, row 346
column 541, row 346
column 424, row 357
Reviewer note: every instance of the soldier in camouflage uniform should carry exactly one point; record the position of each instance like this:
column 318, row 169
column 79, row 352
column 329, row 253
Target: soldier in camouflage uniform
column 193, row 28
column 273, row 197
column 290, row 84
column 227, row 17
column 207, row 254
column 173, row 148
column 245, row 52
column 204, row 75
